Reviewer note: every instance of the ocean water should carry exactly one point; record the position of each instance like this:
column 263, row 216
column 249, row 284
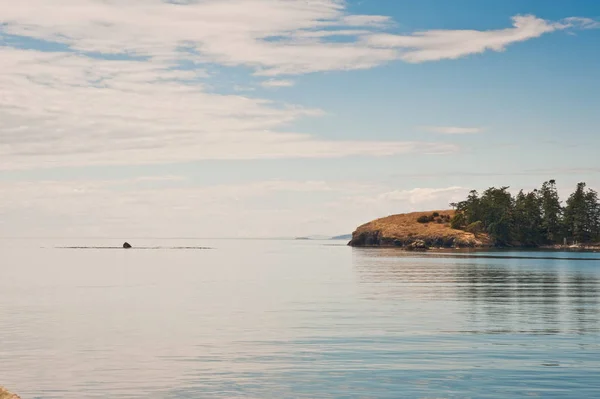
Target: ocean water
column 294, row 319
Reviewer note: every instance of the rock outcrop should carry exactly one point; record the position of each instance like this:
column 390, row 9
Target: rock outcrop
column 4, row 394
column 416, row 231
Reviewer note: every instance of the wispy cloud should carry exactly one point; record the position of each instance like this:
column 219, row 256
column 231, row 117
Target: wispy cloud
column 422, row 196
column 436, row 45
column 271, row 36
column 277, row 83
column 60, row 109
column 452, row 129
column 581, row 23
column 115, row 82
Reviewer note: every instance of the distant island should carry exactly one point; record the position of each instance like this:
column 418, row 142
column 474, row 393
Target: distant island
column 342, row 237
column 495, row 218
column 320, row 237
column 313, row 237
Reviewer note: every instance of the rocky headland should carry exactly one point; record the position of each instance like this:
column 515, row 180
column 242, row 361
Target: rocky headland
column 417, row 231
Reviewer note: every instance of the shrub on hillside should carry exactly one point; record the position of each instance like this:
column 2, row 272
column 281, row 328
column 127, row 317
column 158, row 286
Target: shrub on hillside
column 423, row 219
column 458, row 221
column 475, row 228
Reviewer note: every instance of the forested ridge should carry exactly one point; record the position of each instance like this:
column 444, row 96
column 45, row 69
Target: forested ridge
column 536, row 218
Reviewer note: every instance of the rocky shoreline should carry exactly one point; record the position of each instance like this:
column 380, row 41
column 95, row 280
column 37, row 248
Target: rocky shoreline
column 5, row 394
column 377, row 239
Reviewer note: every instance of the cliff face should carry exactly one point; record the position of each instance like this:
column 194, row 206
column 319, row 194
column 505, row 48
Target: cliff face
column 407, row 232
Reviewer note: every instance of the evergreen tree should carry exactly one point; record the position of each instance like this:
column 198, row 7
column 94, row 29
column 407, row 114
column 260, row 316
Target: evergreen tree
column 527, row 219
column 495, row 212
column 472, row 207
column 531, row 219
column 593, row 215
column 576, row 214
column 519, row 216
column 551, row 212
column 582, row 215
column 467, row 211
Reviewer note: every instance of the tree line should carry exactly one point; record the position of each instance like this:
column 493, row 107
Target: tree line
column 534, row 218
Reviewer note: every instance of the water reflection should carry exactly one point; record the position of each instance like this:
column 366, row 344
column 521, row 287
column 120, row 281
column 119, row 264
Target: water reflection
column 491, row 295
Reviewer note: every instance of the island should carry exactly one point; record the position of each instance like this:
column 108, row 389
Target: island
column 496, row 218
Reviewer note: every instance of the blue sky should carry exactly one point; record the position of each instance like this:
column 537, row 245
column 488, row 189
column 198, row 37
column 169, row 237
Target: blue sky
column 285, row 117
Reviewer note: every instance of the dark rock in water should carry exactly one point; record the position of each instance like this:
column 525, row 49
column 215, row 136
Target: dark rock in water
column 126, row 245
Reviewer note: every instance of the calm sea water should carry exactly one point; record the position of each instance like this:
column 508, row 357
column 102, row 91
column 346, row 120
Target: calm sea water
column 294, row 319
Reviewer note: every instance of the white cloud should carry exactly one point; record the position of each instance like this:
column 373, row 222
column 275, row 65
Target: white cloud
column 272, row 36
column 452, row 129
column 366, row 20
column 422, row 196
column 226, row 32
column 277, row 83
column 378, row 202
column 435, row 45
column 581, row 23
column 240, row 88
column 155, row 103
column 61, row 109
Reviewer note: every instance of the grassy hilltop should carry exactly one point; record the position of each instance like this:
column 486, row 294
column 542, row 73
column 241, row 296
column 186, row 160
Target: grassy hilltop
column 417, row 230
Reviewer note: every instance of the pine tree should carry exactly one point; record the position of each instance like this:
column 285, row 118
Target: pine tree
column 495, row 211
column 467, row 211
column 551, row 212
column 593, row 215
column 531, row 219
column 576, row 215
column 527, row 219
column 519, row 216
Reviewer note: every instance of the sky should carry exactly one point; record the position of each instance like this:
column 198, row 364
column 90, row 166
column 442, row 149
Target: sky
column 281, row 118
